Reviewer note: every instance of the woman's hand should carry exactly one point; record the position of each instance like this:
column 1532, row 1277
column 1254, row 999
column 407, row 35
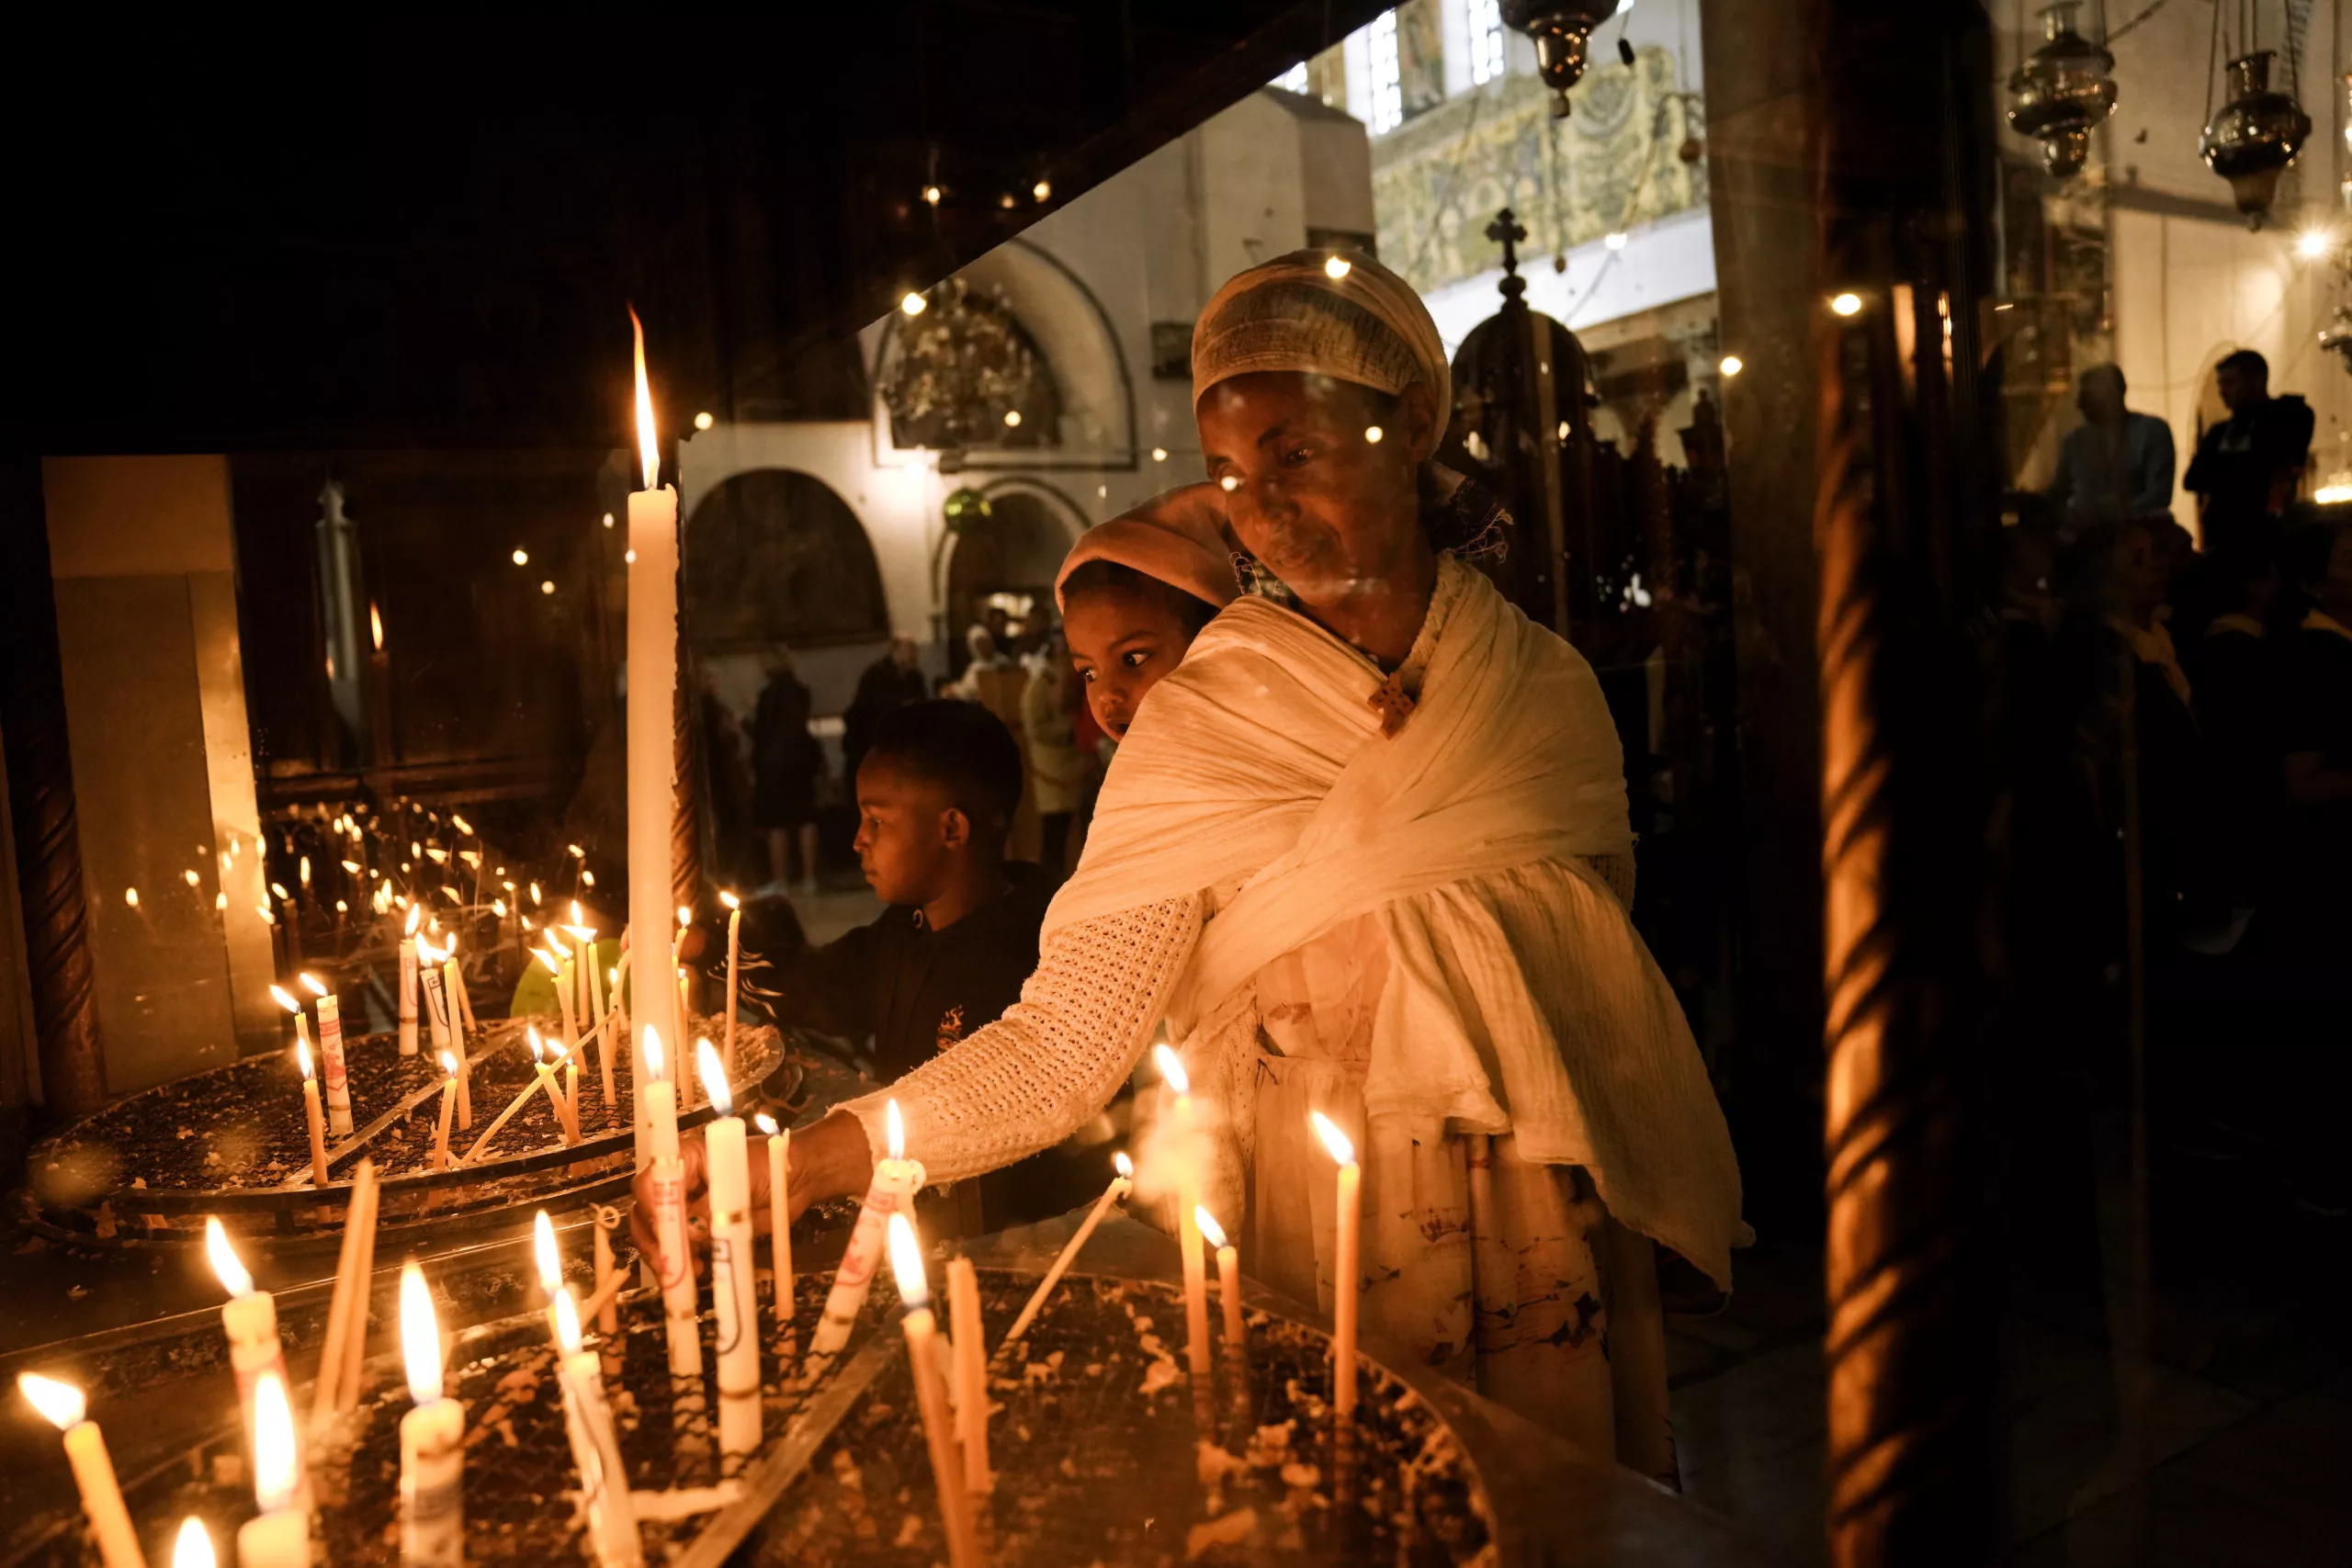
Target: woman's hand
column 830, row 1159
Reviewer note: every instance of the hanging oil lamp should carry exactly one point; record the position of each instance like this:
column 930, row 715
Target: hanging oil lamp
column 2061, row 92
column 2255, row 135
column 1562, row 33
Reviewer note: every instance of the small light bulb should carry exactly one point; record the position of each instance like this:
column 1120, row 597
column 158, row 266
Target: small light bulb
column 630, row 556
column 1732, row 365
column 931, row 194
column 546, row 587
column 1043, row 190
column 521, row 558
column 608, row 519
column 1159, row 454
column 1372, row 433
column 1337, row 267
column 1013, row 419
column 1847, row 304
column 703, row 421
column 914, row 304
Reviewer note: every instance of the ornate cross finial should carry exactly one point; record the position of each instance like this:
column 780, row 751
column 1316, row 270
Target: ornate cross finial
column 1508, row 231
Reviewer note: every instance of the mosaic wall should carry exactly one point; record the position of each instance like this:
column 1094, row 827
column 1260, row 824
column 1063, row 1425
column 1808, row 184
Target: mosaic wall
column 1617, row 161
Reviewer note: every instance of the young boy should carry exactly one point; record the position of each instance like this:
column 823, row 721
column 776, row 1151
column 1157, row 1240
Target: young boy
column 1136, row 590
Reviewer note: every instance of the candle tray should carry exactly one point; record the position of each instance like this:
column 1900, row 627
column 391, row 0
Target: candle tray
column 234, row 1141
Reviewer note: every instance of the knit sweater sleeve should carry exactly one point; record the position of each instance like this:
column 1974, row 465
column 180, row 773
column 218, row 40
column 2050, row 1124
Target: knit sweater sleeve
column 1057, row 1056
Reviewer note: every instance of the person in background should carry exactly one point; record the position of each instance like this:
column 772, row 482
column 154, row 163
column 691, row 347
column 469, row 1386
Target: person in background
column 786, row 762
column 727, row 781
column 890, row 682
column 2116, row 464
column 1056, row 769
column 2235, row 668
column 2246, row 467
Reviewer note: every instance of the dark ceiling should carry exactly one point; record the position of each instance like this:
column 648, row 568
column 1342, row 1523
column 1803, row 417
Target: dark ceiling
column 358, row 229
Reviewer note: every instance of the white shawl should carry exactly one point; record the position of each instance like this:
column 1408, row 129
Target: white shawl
column 1519, row 996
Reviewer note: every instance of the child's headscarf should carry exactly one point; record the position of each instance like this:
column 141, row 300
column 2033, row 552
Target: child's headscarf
column 1178, row 537
column 1366, row 326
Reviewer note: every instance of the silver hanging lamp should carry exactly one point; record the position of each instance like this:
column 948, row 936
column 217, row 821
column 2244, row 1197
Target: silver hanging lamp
column 2061, row 92
column 2252, row 138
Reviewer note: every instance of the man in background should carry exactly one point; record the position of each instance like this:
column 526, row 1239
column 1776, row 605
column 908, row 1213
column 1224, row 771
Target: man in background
column 2116, row 464
column 890, row 682
column 2247, row 467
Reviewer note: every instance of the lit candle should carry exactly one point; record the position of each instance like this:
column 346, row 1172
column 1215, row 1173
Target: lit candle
column 301, row 1024
column 279, row 1535
column 408, row 981
column 1121, row 1185
column 192, row 1548
column 453, row 998
column 895, row 1180
column 537, row 1084
column 930, row 1395
column 436, row 999
column 595, row 1446
column 607, row 1316
column 433, row 1453
column 448, row 1108
column 86, row 1451
column 557, row 1104
column 1345, row 1273
column 1228, row 1278
column 250, row 1316
column 669, row 1198
column 332, row 1067
column 571, row 1090
column 1188, row 1199
column 734, row 951
column 652, row 673
column 550, row 1261
column 779, row 1145
column 316, row 1116
column 733, row 1289
column 971, row 1373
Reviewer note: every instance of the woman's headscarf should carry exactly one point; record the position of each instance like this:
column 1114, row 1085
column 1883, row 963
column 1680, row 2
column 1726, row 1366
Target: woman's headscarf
column 1178, row 537
column 1366, row 325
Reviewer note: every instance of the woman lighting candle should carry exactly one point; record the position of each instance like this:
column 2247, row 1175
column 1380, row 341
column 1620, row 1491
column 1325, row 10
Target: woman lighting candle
column 408, row 980
column 1346, row 1279
column 779, row 1148
column 930, row 1395
column 332, row 1069
column 734, row 1292
column 250, row 1316
column 86, row 1451
column 895, row 1181
column 279, row 1535
column 433, row 1452
column 1121, row 1185
column 595, row 1446
column 734, row 953
column 1188, row 1203
column 679, row 1308
column 311, row 1110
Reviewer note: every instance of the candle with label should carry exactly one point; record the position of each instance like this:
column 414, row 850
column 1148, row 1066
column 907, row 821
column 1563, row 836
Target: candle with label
column 85, row 1452
column 333, row 1074
column 734, row 1287
column 250, row 1316
column 279, row 1535
column 407, row 1000
column 930, row 1395
column 895, row 1180
column 779, row 1148
column 679, row 1306
column 596, row 1446
column 433, row 1438
column 436, row 997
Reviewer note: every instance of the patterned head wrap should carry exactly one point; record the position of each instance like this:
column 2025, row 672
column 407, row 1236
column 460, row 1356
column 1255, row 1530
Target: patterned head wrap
column 1178, row 537
column 1366, row 326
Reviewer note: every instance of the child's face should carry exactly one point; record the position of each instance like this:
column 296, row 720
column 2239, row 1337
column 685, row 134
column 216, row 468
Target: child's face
column 908, row 834
column 1122, row 643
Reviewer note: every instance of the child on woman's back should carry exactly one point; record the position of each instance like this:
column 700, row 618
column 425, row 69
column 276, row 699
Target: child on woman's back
column 1136, row 590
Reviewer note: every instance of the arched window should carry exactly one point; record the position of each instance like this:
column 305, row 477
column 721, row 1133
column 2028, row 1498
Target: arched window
column 774, row 556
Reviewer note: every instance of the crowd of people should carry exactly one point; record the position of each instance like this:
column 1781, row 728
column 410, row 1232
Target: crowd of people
column 2175, row 717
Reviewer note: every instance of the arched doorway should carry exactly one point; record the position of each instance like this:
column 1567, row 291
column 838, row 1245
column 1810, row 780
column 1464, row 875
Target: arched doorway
column 774, row 556
column 1006, row 555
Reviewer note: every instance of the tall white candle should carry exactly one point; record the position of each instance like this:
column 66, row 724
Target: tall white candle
column 734, row 954
column 436, row 997
column 652, row 693
column 595, row 1446
column 433, row 1439
column 408, row 981
column 1188, row 1196
column 332, row 1070
column 779, row 1148
column 279, row 1535
column 930, row 1395
column 679, row 1306
column 1347, row 1276
column 733, row 1286
column 86, row 1451
column 895, row 1180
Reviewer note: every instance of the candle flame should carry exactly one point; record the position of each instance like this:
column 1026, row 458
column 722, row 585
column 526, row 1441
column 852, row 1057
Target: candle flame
column 416, row 913
column 312, row 984
column 905, row 1263
column 686, row 917
column 531, row 1038
column 1170, row 1069
column 376, row 626
column 448, row 1065
column 579, row 933
column 567, row 1322
column 730, row 899
column 1334, row 1139
column 555, row 965
column 277, row 1475
column 302, row 1057
column 1124, row 1165
column 224, row 1259
column 895, row 1130
column 460, row 824
column 280, row 889
column 764, row 1122
column 192, row 1548
column 535, row 895
column 420, row 1336
column 1211, row 1232
column 284, row 1001
column 648, row 452
column 714, row 1078
column 452, row 894
column 653, row 1053
column 577, row 917
column 303, row 872
column 543, row 1248
column 576, row 851
column 60, row 1403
